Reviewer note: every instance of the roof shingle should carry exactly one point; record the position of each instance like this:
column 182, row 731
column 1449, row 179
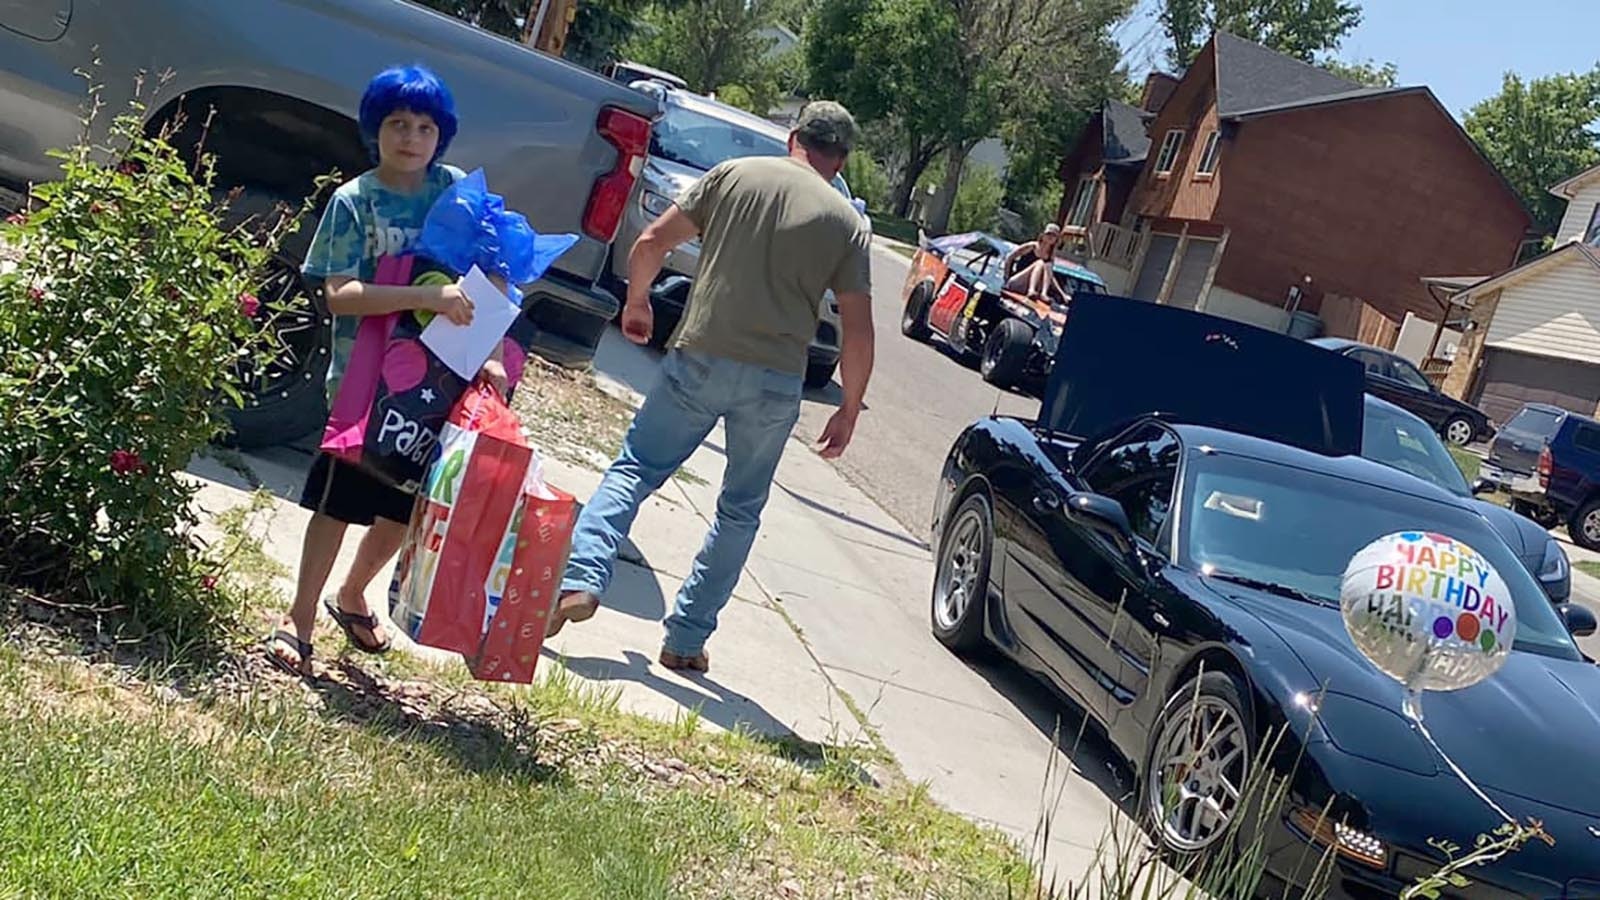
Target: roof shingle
column 1125, row 137
column 1252, row 78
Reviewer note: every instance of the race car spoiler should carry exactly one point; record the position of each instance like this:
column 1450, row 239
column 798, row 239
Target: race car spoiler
column 1120, row 359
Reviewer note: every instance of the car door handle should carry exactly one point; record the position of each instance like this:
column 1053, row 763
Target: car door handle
column 1047, row 502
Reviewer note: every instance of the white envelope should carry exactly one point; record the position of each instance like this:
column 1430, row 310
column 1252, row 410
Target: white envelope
column 465, row 348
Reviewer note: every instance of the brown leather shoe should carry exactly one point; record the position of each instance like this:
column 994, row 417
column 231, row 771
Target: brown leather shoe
column 700, row 662
column 575, row 606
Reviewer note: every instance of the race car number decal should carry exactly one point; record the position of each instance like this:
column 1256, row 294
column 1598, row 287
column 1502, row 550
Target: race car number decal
column 948, row 306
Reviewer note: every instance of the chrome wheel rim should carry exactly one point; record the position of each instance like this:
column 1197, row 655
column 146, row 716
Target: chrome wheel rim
column 1591, row 526
column 960, row 572
column 1459, row 432
column 1197, row 773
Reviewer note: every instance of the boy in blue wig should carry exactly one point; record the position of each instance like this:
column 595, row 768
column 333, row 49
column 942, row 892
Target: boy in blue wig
column 407, row 119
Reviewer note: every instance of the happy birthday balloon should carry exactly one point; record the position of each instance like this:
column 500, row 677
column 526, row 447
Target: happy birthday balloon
column 1428, row 611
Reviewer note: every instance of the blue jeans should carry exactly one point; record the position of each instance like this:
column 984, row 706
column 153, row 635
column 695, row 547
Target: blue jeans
column 758, row 407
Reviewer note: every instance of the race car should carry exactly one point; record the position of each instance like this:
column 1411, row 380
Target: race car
column 956, row 290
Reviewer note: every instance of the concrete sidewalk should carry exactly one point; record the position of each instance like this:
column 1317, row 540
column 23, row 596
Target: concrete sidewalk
column 828, row 627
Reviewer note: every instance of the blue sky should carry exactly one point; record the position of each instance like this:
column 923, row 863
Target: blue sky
column 1460, row 48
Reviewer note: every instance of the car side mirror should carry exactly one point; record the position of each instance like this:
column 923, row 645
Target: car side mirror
column 1104, row 515
column 1482, row 486
column 1580, row 621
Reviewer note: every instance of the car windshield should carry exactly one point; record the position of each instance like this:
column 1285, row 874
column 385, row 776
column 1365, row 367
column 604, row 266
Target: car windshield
column 1297, row 528
column 700, row 141
column 1541, row 422
column 1406, row 443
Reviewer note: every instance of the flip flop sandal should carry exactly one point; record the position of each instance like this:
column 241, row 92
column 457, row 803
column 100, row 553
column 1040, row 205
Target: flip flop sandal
column 348, row 622
column 293, row 640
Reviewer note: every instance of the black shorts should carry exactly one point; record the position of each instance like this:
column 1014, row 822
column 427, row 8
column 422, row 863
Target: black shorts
column 341, row 491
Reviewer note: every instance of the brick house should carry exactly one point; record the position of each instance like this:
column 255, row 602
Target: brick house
column 1533, row 331
column 1257, row 186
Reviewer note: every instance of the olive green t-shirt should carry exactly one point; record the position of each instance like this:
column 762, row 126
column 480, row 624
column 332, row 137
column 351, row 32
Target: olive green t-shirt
column 774, row 236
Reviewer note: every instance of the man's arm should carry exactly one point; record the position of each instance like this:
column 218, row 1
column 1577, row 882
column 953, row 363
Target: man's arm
column 645, row 260
column 855, row 369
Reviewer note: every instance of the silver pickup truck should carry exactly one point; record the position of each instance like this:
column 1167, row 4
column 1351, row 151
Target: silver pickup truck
column 284, row 78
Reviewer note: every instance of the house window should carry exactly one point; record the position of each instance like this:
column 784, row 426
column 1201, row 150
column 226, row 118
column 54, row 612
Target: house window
column 1592, row 235
column 1208, row 156
column 1083, row 202
column 1169, row 151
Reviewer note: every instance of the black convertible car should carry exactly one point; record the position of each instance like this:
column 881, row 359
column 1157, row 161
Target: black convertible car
column 1167, row 552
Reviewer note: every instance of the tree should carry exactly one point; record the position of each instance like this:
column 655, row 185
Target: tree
column 1539, row 133
column 600, row 29
column 503, row 17
column 1298, row 28
column 1368, row 73
column 708, row 43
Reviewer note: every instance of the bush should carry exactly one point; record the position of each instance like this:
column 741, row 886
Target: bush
column 737, row 96
column 977, row 206
column 867, row 180
column 128, row 318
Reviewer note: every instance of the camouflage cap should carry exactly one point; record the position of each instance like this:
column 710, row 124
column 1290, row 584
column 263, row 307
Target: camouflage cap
column 826, row 125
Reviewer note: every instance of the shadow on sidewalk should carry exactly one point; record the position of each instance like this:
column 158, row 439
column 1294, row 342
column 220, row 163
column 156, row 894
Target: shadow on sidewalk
column 809, row 503
column 1076, row 736
column 715, row 703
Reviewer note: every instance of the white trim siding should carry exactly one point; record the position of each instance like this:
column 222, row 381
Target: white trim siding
column 1555, row 313
column 1580, row 212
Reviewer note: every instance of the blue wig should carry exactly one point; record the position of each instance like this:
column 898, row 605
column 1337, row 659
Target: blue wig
column 413, row 89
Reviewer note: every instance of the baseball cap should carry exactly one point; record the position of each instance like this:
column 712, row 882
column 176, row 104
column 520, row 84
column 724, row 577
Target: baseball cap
column 827, row 125
column 1052, row 228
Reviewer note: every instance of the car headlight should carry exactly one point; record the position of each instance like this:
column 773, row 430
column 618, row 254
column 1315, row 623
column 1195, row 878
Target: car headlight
column 654, row 204
column 1554, row 567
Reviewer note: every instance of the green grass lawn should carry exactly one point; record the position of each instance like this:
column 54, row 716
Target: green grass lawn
column 1469, row 462
column 1588, row 567
column 121, row 789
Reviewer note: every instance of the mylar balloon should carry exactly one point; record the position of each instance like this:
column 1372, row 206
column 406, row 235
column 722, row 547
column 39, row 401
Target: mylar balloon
column 1428, row 611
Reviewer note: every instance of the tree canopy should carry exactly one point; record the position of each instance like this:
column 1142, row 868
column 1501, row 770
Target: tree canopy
column 1539, row 133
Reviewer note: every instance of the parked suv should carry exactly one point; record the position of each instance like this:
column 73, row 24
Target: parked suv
column 274, row 86
column 1548, row 460
column 694, row 134
column 1396, row 380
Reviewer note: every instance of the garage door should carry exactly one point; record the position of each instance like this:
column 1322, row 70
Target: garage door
column 1511, row 379
column 1192, row 273
column 1154, row 270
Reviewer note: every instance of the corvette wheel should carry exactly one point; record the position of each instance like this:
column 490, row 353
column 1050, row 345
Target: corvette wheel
column 1199, row 764
column 961, row 581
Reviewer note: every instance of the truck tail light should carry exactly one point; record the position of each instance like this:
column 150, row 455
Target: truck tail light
column 629, row 133
column 1545, row 465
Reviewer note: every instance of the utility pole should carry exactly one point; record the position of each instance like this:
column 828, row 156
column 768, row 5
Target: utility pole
column 545, row 26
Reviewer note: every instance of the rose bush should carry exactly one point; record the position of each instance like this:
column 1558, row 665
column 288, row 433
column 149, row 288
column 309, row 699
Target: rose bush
column 128, row 316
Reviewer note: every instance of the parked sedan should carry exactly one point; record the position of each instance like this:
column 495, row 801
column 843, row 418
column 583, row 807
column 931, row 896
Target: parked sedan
column 1395, row 379
column 1394, row 437
column 694, row 134
column 1180, row 579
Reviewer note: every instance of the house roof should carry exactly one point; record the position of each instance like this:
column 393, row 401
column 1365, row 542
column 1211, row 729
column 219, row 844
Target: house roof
column 1557, row 257
column 1568, row 189
column 1252, row 78
column 1125, row 134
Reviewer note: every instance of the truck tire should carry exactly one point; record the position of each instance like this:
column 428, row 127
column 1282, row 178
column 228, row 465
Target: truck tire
column 820, row 374
column 1584, row 527
column 1005, row 353
column 286, row 400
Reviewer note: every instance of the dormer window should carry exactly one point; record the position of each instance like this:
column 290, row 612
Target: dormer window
column 1169, row 151
column 1208, row 156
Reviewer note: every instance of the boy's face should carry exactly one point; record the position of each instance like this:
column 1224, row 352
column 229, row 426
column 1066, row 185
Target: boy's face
column 407, row 141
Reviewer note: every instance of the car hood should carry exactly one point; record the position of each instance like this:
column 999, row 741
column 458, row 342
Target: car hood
column 1521, row 534
column 1519, row 732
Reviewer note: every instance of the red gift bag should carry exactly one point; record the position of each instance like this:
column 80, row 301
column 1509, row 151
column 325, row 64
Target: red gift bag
column 486, row 547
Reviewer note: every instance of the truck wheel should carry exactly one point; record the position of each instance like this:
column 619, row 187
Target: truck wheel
column 1584, row 528
column 820, row 374
column 1458, row 430
column 285, row 400
column 914, row 319
column 1005, row 353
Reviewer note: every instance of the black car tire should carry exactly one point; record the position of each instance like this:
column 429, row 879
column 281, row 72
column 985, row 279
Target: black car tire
column 914, row 318
column 1213, row 692
column 820, row 374
column 1588, row 513
column 965, row 553
column 291, row 401
column 1005, row 353
column 1454, row 429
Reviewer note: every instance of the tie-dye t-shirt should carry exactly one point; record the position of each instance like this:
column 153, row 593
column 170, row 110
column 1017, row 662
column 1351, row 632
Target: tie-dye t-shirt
column 365, row 221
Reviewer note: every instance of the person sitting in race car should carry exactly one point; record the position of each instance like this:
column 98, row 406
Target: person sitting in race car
column 1030, row 269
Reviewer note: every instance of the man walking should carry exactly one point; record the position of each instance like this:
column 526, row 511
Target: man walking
column 774, row 236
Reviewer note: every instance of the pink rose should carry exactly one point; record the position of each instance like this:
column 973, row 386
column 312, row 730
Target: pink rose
column 249, row 305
